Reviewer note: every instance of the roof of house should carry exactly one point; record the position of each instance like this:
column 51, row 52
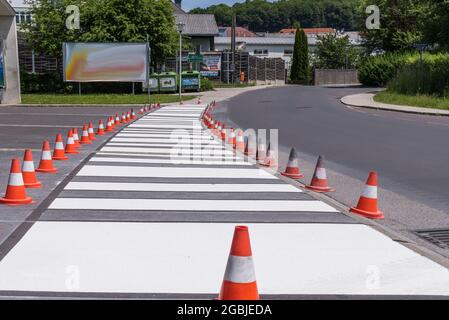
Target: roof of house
column 240, row 32
column 257, row 40
column 177, row 8
column 309, row 30
column 197, row 24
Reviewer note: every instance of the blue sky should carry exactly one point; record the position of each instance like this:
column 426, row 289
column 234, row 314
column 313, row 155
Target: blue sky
column 190, row 4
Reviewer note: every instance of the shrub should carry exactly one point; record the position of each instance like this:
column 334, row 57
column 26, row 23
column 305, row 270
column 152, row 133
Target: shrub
column 429, row 77
column 206, row 84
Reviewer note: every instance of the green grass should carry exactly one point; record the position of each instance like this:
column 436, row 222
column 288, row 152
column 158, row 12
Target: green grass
column 231, row 85
column 99, row 98
column 422, row 101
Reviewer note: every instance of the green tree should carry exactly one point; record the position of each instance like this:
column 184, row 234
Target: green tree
column 300, row 70
column 402, row 23
column 103, row 21
column 271, row 16
column 335, row 52
column 436, row 30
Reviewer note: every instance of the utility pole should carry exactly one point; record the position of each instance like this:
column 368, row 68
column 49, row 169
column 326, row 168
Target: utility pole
column 234, row 23
column 180, row 28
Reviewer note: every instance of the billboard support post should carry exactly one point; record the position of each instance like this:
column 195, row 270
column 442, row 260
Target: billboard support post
column 79, row 88
column 148, row 70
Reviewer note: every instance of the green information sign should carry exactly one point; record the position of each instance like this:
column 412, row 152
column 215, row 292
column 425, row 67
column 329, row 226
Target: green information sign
column 195, row 58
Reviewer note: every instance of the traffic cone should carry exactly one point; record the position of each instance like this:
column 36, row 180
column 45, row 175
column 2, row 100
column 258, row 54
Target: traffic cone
column 270, row 159
column 231, row 137
column 319, row 179
column 15, row 192
column 111, row 119
column 46, row 163
column 217, row 131
column 133, row 114
column 223, row 133
column 123, row 117
column 367, row 205
column 292, row 171
column 28, row 172
column 239, row 281
column 249, row 150
column 85, row 137
column 100, row 130
column 70, row 145
column 240, row 142
column 91, row 132
column 109, row 125
column 58, row 153
column 211, row 124
column 117, row 119
column 76, row 138
column 128, row 116
column 261, row 151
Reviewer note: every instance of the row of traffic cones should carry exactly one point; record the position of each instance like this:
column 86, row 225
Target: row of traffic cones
column 24, row 177
column 367, row 205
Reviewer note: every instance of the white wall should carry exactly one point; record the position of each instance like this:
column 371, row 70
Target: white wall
column 8, row 33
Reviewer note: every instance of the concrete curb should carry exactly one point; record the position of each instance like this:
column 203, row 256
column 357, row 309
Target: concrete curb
column 366, row 100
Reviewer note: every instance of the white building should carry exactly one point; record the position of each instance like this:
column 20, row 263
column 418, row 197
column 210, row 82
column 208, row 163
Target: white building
column 22, row 10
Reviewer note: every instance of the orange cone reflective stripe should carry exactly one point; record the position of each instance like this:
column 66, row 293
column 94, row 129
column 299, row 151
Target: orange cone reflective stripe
column 15, row 191
column 28, row 172
column 367, row 205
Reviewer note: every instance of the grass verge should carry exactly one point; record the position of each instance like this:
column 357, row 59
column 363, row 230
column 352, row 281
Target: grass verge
column 422, row 101
column 99, row 98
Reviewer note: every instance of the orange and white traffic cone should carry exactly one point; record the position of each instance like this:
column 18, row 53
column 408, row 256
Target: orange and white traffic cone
column 211, row 124
column 128, row 116
column 231, row 137
column 70, row 144
column 261, row 151
column 133, row 114
column 124, row 117
column 250, row 147
column 76, row 138
column 292, row 171
column 15, row 192
column 240, row 142
column 100, row 130
column 239, row 281
column 270, row 159
column 46, row 163
column 108, row 126
column 59, row 153
column 319, row 179
column 117, row 119
column 112, row 123
column 223, row 133
column 217, row 131
column 28, row 172
column 85, row 136
column 91, row 132
column 367, row 205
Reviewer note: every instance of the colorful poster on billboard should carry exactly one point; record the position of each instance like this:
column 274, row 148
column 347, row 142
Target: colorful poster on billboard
column 211, row 65
column 88, row 62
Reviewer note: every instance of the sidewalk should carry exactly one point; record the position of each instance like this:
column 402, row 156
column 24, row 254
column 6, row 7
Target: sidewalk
column 366, row 100
column 220, row 94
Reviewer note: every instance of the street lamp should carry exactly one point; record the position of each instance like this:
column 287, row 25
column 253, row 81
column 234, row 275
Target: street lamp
column 180, row 28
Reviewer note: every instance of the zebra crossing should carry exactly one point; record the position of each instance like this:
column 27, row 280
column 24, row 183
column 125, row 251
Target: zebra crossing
column 151, row 215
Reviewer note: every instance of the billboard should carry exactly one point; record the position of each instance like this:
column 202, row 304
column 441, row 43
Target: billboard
column 211, row 65
column 89, row 62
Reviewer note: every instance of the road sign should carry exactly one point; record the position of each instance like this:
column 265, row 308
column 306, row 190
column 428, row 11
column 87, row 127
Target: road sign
column 195, row 58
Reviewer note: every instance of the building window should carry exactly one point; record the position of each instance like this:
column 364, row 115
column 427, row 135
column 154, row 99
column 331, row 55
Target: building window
column 288, row 52
column 261, row 52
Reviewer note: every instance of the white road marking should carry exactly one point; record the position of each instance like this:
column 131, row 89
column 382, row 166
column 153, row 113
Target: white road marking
column 168, row 172
column 167, row 156
column 239, row 206
column 167, row 150
column 191, row 258
column 172, row 145
column 171, row 161
column 181, row 187
column 173, row 139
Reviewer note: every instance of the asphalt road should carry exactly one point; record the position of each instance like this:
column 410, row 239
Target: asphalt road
column 410, row 152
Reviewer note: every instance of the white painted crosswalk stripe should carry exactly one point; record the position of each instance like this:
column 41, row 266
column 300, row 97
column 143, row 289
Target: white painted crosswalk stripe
column 168, row 172
column 169, row 161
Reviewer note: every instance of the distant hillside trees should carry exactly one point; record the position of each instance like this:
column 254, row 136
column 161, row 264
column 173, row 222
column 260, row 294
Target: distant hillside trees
column 262, row 15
